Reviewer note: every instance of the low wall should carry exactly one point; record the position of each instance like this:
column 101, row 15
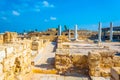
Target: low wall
column 98, row 63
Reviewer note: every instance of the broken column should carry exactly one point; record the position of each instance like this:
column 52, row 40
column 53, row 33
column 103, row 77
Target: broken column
column 75, row 34
column 59, row 30
column 99, row 32
column 111, row 31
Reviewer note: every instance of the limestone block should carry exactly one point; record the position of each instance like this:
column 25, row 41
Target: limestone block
column 107, row 62
column 2, row 55
column 1, row 68
column 94, row 59
column 2, row 77
column 79, row 60
column 17, row 65
column 6, row 65
column 9, row 50
column 116, row 61
column 65, row 46
column 12, row 61
column 94, row 73
column 59, row 45
column 105, row 72
column 115, row 73
column 62, row 62
column 9, row 37
column 1, row 39
column 107, row 53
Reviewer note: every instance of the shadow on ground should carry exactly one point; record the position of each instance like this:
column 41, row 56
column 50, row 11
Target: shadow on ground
column 49, row 64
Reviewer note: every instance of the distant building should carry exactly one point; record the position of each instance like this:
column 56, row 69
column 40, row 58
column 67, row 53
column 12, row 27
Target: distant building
column 106, row 33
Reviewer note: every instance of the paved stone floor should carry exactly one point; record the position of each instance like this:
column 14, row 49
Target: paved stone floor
column 45, row 60
column 53, row 77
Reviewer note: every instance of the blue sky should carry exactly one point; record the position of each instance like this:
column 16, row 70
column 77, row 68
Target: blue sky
column 19, row 15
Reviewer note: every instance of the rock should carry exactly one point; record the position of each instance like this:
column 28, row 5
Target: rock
column 107, row 53
column 94, row 59
column 9, row 37
column 105, row 72
column 1, row 39
column 79, row 61
column 107, row 61
column 115, row 73
column 116, row 61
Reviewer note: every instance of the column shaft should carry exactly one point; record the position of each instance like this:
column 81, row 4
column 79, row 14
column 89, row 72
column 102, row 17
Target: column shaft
column 111, row 31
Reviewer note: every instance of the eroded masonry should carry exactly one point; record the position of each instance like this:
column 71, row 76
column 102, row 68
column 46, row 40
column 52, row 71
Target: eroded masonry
column 58, row 53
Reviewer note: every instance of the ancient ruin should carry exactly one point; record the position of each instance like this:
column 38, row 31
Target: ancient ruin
column 61, row 54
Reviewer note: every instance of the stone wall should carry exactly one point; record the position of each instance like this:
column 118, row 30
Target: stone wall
column 69, row 62
column 9, row 37
column 15, row 59
column 98, row 63
column 1, row 39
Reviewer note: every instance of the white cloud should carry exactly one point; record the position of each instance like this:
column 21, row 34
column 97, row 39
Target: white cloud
column 4, row 18
column 47, row 4
column 16, row 13
column 53, row 18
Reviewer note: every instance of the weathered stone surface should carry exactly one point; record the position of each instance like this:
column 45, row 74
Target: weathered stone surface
column 62, row 62
column 2, row 55
column 79, row 61
column 107, row 53
column 1, row 68
column 105, row 72
column 94, row 63
column 9, row 37
column 1, row 39
column 107, row 62
column 116, row 61
column 62, row 38
column 115, row 73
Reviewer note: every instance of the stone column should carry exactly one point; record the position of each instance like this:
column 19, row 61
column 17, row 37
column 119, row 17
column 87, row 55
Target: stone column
column 69, row 34
column 99, row 32
column 59, row 30
column 111, row 31
column 75, row 33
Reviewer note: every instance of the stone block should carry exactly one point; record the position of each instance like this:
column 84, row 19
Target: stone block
column 2, row 55
column 107, row 53
column 1, row 39
column 9, row 50
column 1, row 68
column 62, row 62
column 94, row 59
column 79, row 61
column 2, row 77
column 105, row 72
column 107, row 62
column 116, row 61
column 115, row 73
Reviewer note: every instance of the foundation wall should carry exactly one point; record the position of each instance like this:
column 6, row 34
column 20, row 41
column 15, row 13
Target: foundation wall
column 97, row 63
